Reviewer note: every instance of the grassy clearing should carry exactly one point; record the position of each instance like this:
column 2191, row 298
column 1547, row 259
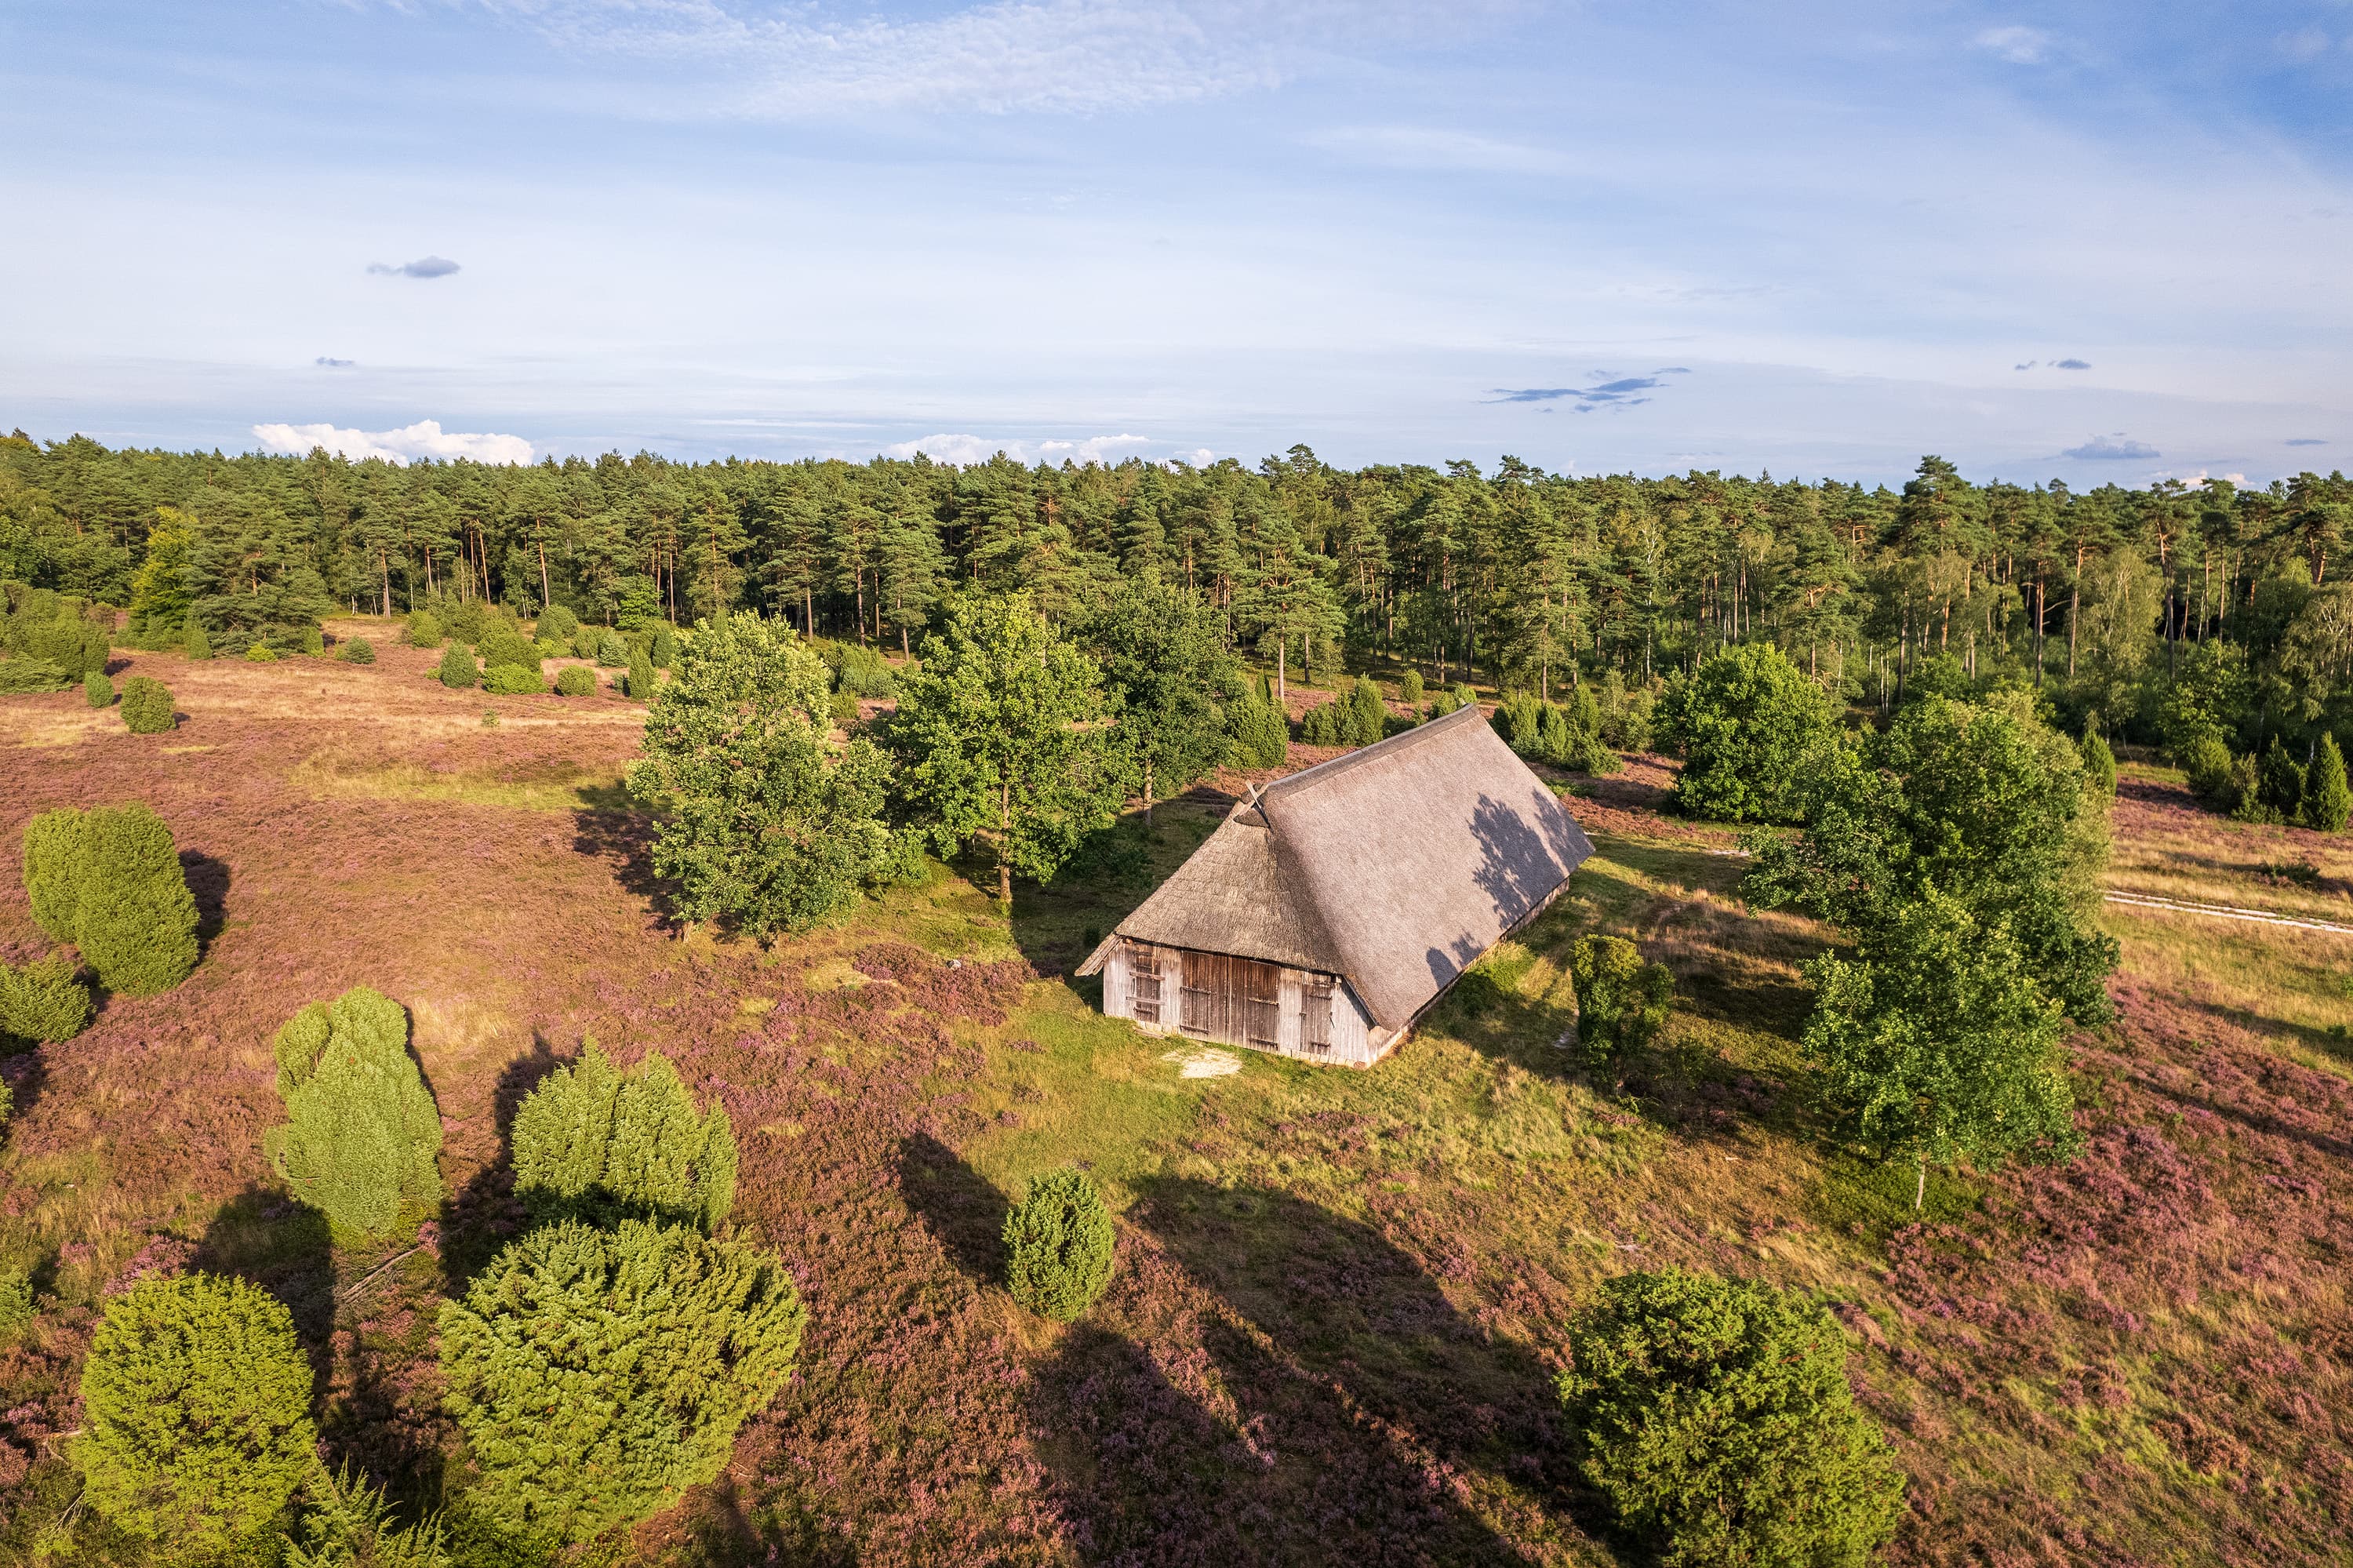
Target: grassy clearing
column 1335, row 1319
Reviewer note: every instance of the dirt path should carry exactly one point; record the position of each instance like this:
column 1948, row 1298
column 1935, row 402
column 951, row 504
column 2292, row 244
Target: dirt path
column 2223, row 912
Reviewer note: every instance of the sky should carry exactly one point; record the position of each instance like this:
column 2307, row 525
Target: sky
column 2091, row 241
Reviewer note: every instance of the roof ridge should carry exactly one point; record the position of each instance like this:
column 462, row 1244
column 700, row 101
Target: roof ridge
column 1333, row 767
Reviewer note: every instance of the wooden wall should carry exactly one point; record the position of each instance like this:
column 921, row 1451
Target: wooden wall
column 1240, row 1001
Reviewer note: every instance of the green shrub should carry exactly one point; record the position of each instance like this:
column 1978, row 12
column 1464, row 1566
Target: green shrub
column 2206, row 760
column 612, row 650
column 458, row 669
column 1748, row 722
column 1316, row 727
column 596, row 1375
column 1622, row 1002
column 109, row 880
column 195, row 1402
column 557, row 623
column 2328, row 801
column 2282, row 785
column 348, row 1523
column 423, row 630
column 510, row 648
column 1409, row 689
column 96, row 690
column 147, row 706
column 512, row 680
column 312, row 640
column 197, row 644
column 357, row 650
column 1714, row 1416
column 843, row 709
column 362, row 1130
column 24, row 675
column 1366, row 716
column 1058, row 1245
column 1443, row 702
column 595, row 1143
column 575, row 681
column 1262, row 738
column 664, row 648
column 16, row 1308
column 1625, row 714
column 641, row 676
column 857, row 670
column 43, row 1000
column 260, row 652
column 72, row 646
column 2099, row 762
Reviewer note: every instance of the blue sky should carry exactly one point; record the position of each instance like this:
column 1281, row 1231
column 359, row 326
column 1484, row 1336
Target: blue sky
column 2094, row 242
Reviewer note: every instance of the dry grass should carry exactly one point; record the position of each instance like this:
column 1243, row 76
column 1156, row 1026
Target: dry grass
column 1340, row 1292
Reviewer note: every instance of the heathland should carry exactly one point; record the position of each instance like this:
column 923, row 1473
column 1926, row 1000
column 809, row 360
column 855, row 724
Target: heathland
column 1337, row 1311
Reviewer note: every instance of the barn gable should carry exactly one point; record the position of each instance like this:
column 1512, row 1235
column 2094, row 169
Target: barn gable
column 1390, row 869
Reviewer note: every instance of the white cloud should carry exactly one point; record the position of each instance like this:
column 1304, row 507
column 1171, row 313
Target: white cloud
column 1003, row 57
column 1094, row 448
column 2019, row 45
column 425, row 439
column 2119, row 447
column 968, row 448
column 1420, row 147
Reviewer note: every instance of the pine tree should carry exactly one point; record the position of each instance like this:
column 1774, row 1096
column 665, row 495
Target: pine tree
column 593, row 1142
column 363, row 1133
column 2328, row 801
column 598, row 1374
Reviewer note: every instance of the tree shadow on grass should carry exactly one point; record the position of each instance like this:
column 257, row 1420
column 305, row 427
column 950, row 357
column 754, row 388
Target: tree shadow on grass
column 208, row 879
column 956, row 1205
column 283, row 1246
column 722, row 1530
column 1359, row 1394
column 1057, row 924
column 624, row 841
column 480, row 1219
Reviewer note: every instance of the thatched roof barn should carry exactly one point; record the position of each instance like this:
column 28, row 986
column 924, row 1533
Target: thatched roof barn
column 1329, row 910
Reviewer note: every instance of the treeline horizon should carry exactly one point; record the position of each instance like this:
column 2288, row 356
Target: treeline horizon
column 2106, row 598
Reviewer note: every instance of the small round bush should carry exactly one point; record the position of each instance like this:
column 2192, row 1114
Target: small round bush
column 1058, row 1245
column 260, row 653
column 423, row 630
column 458, row 670
column 1622, row 1002
column 197, row 1413
column 198, row 645
column 147, row 707
column 512, row 680
column 599, row 1374
column 313, row 641
column 96, row 690
column 358, row 651
column 612, row 650
column 1714, row 1417
column 362, row 1131
column 575, row 681
column 557, row 623
column 43, row 1000
column 664, row 650
column 1410, row 688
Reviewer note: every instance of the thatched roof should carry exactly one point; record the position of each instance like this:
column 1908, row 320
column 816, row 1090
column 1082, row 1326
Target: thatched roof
column 1394, row 866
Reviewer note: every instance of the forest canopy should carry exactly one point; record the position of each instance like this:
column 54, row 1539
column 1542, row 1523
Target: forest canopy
column 2158, row 614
